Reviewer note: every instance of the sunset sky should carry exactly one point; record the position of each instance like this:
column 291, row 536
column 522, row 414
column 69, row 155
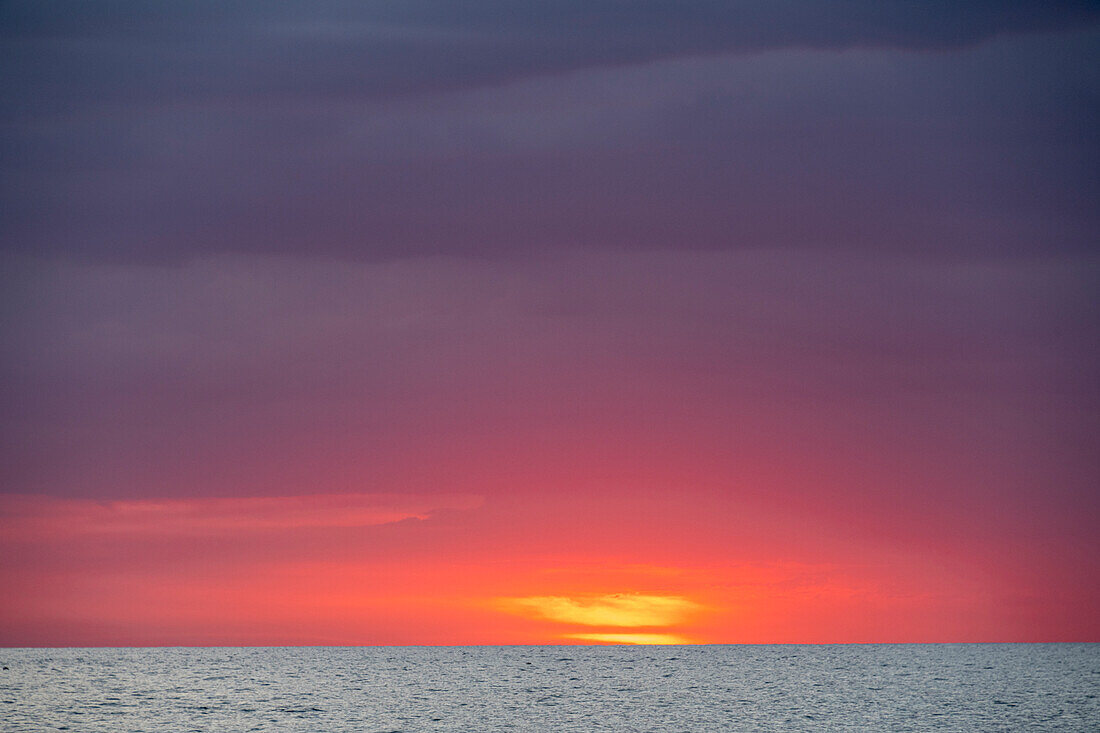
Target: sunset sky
column 539, row 322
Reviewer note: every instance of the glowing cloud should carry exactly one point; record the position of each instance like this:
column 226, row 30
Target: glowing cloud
column 619, row 609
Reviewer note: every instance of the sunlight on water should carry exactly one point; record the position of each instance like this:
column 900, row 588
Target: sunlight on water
column 553, row 688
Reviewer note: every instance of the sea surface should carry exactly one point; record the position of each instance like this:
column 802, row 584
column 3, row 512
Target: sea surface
column 980, row 687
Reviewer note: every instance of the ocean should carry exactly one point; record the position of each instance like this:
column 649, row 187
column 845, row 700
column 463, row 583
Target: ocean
column 904, row 687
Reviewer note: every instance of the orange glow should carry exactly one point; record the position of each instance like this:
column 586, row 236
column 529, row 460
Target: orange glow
column 450, row 569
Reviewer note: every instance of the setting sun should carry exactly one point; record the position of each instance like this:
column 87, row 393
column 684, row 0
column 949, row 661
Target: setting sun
column 640, row 639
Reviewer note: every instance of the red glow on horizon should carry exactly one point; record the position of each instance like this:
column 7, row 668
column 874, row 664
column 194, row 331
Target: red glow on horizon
column 192, row 572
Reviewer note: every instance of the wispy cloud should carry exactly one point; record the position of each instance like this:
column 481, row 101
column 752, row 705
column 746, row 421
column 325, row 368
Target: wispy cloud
column 24, row 517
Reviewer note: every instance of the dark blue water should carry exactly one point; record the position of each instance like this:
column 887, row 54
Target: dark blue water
column 984, row 687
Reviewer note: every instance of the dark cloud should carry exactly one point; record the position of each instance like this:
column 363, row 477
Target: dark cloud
column 157, row 131
column 68, row 52
column 982, row 151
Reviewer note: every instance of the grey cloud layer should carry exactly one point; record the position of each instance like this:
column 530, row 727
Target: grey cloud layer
column 277, row 374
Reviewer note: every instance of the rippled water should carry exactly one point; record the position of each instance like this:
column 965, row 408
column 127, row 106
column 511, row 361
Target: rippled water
column 702, row 688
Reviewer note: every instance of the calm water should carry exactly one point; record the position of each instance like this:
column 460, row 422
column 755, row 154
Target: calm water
column 709, row 688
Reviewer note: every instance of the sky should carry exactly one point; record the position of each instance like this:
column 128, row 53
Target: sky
column 536, row 322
